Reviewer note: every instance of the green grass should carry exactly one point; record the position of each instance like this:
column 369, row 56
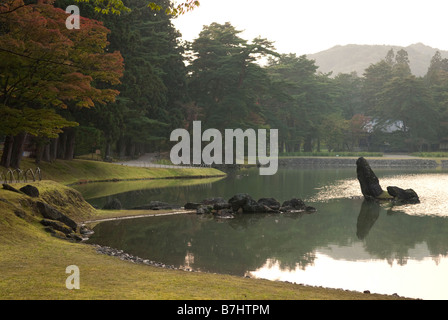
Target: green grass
column 331, row 154
column 82, row 171
column 430, row 154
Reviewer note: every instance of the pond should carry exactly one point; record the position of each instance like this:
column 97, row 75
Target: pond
column 348, row 243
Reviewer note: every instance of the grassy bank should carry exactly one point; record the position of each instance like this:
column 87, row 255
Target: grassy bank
column 332, row 154
column 33, row 262
column 82, row 171
column 430, row 154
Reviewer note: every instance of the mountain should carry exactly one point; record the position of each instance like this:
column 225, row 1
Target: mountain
column 349, row 58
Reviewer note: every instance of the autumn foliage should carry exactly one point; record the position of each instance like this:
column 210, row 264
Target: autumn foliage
column 45, row 67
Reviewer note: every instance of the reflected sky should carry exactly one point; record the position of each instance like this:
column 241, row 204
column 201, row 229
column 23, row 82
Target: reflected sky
column 425, row 278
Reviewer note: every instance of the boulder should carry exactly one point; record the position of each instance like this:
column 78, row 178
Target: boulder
column 217, row 203
column 30, row 190
column 239, row 200
column 192, row 206
column 51, row 213
column 370, row 185
column 270, row 203
column 242, row 202
column 403, row 196
column 293, row 205
column 57, row 225
column 10, row 188
column 204, row 209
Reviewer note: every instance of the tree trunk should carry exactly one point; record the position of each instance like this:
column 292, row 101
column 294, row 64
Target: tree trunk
column 17, row 150
column 54, row 149
column 70, row 144
column 132, row 150
column 7, row 151
column 108, row 151
column 121, row 148
column 308, row 145
column 46, row 156
column 62, row 141
column 39, row 153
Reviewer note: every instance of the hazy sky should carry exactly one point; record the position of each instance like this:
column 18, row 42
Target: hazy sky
column 310, row 26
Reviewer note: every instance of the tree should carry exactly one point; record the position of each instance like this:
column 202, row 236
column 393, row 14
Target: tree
column 349, row 98
column 307, row 98
column 153, row 90
column 334, row 130
column 375, row 77
column 437, row 81
column 117, row 6
column 46, row 66
column 225, row 82
column 408, row 100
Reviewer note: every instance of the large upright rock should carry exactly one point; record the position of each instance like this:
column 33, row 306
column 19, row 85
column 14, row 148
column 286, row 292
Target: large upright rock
column 370, row 185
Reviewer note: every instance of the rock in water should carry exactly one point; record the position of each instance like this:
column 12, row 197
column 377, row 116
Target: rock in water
column 403, row 196
column 370, row 185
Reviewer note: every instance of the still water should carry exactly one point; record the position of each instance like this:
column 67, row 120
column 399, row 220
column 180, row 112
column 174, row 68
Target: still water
column 348, row 243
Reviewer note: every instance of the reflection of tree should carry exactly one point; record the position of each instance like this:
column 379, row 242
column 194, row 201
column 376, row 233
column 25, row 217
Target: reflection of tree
column 370, row 211
column 248, row 241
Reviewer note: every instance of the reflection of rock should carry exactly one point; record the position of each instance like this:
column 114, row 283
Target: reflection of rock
column 157, row 205
column 370, row 185
column 403, row 196
column 114, row 204
column 370, row 211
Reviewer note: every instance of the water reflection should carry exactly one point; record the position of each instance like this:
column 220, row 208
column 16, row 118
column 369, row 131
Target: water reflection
column 370, row 211
column 285, row 245
column 349, row 243
column 425, row 279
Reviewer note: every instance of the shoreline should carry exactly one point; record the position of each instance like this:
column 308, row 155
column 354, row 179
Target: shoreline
column 194, row 177
column 351, row 162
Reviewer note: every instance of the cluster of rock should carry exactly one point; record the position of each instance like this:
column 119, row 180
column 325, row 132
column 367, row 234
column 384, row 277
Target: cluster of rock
column 244, row 203
column 130, row 258
column 54, row 221
column 372, row 190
